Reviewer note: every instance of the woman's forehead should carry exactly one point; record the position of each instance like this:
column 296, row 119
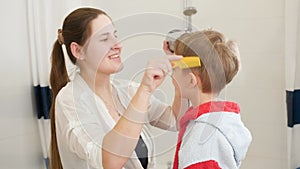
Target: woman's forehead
column 102, row 24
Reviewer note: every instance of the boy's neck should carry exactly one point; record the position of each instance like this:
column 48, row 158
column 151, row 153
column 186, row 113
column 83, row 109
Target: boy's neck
column 203, row 98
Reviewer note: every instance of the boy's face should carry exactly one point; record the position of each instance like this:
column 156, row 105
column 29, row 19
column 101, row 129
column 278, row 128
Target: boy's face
column 180, row 81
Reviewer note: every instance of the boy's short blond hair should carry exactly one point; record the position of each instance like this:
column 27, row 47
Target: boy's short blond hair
column 219, row 57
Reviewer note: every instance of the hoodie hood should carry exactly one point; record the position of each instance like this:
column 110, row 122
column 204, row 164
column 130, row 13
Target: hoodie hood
column 215, row 129
column 231, row 126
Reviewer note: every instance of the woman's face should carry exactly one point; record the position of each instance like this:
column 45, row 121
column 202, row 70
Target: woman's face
column 102, row 50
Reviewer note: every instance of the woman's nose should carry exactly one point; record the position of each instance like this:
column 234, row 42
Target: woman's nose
column 117, row 45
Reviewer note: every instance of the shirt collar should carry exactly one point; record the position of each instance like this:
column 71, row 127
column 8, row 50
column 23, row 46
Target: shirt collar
column 208, row 107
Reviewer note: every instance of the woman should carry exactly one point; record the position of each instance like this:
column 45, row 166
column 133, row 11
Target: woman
column 97, row 122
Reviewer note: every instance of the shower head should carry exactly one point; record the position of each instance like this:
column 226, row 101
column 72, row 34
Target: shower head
column 189, row 11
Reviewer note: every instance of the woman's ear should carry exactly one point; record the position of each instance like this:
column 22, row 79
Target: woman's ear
column 76, row 50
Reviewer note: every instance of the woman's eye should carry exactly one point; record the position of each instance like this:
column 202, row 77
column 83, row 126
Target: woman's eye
column 103, row 40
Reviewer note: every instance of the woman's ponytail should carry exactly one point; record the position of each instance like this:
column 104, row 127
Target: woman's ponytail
column 58, row 79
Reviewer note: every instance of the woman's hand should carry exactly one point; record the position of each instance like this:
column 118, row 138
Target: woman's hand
column 166, row 48
column 156, row 71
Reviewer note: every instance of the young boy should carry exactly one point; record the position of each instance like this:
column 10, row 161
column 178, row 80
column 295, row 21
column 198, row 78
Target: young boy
column 211, row 135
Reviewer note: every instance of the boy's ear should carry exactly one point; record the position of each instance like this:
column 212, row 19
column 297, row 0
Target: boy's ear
column 193, row 80
column 76, row 50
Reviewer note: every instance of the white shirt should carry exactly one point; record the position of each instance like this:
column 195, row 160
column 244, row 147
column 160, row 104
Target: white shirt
column 82, row 120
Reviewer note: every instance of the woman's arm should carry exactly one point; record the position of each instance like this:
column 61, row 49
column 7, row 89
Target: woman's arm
column 171, row 115
column 120, row 142
column 169, row 119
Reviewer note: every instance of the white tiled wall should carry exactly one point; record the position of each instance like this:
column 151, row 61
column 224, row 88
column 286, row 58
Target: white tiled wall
column 19, row 140
column 259, row 87
column 257, row 26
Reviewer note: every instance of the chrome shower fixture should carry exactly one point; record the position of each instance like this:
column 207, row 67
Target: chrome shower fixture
column 176, row 33
column 188, row 12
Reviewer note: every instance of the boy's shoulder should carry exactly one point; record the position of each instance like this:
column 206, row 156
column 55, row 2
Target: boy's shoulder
column 215, row 133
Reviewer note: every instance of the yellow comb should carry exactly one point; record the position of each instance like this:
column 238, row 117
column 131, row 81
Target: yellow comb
column 187, row 62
